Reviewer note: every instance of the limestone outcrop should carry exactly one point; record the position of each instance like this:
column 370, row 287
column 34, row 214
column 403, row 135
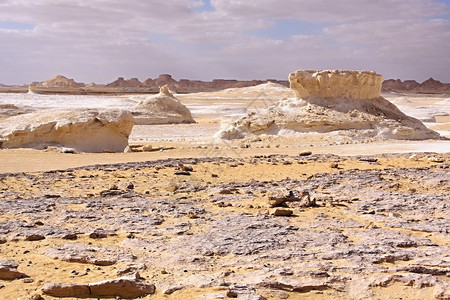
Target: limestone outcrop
column 85, row 130
column 163, row 108
column 124, row 287
column 342, row 102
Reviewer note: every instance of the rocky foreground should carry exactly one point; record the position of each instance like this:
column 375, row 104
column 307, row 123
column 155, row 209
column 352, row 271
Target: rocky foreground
column 266, row 227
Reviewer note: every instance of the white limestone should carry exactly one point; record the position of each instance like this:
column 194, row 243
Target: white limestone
column 85, row 130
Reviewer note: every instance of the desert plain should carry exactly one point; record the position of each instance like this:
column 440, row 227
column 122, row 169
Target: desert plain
column 183, row 215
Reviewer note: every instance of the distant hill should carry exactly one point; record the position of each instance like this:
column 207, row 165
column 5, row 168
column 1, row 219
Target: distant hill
column 429, row 86
column 60, row 81
column 188, row 86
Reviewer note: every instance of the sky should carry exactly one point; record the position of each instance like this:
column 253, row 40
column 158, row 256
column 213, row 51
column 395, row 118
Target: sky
column 100, row 40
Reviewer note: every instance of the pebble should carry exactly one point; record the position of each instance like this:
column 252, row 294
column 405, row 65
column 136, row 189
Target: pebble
column 305, row 153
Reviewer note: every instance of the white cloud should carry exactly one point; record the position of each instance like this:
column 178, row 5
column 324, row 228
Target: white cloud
column 99, row 40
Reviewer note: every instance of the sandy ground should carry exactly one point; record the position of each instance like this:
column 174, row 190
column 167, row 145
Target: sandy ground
column 83, row 184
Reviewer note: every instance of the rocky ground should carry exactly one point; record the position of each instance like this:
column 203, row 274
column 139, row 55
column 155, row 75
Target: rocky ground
column 265, row 227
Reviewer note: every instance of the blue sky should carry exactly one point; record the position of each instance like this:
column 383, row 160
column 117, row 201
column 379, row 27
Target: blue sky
column 100, row 40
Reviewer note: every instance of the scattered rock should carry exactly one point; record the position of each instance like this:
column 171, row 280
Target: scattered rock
column 34, row 237
column 37, row 297
column 147, row 148
column 301, row 199
column 173, row 289
column 305, row 153
column 279, row 211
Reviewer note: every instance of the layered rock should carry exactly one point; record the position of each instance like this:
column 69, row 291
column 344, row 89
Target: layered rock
column 347, row 102
column 162, row 108
column 85, row 130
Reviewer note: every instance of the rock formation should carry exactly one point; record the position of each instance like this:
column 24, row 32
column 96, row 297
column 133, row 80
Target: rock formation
column 347, row 102
column 85, row 130
column 60, row 81
column 162, row 108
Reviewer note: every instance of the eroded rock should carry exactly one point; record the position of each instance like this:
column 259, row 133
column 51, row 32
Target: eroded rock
column 125, row 287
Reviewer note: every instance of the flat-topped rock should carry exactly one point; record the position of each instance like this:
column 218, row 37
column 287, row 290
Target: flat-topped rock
column 336, row 84
column 333, row 104
column 85, row 130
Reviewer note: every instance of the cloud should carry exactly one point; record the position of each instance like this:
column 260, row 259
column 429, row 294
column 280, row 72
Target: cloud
column 99, row 40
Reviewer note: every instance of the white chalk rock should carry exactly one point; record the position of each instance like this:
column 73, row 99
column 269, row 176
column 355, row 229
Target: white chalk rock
column 85, row 130
column 343, row 102
column 162, row 108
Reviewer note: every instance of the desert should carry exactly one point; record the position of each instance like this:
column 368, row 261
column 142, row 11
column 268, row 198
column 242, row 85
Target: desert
column 330, row 189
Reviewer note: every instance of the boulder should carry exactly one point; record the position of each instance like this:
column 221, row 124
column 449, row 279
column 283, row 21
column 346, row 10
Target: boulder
column 124, row 287
column 343, row 102
column 85, row 130
column 162, row 108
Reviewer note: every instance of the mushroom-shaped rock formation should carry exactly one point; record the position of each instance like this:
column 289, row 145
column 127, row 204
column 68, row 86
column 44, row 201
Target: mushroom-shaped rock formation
column 163, row 108
column 343, row 102
column 85, row 130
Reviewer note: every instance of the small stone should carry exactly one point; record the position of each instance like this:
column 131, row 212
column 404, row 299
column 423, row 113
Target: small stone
column 172, row 290
column 232, row 294
column 188, row 168
column 334, row 165
column 172, row 187
column 305, row 153
column 2, row 241
column 36, row 297
column 368, row 159
column 38, row 223
column 183, row 173
column 147, row 148
column 28, row 280
column 34, row 237
column 279, row 211
column 98, row 234
column 214, row 175
column 395, row 214
column 128, row 150
column 70, row 236
column 436, row 159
